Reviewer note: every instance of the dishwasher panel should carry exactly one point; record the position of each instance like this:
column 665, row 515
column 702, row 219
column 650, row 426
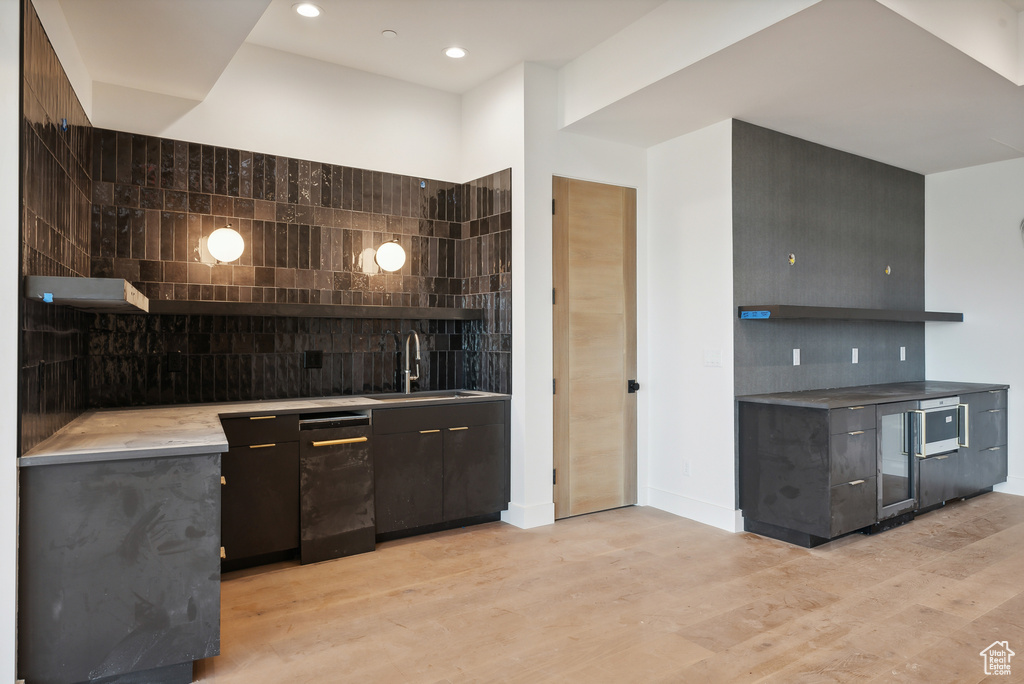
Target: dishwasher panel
column 336, row 488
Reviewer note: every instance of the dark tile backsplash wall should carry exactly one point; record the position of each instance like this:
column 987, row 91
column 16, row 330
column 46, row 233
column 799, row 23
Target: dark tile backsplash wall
column 114, row 204
column 56, row 143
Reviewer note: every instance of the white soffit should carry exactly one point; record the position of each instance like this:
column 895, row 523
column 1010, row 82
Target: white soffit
column 497, row 33
column 173, row 47
column 849, row 74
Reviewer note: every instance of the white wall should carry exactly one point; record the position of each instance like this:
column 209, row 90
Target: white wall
column 689, row 310
column 279, row 103
column 10, row 246
column 974, row 263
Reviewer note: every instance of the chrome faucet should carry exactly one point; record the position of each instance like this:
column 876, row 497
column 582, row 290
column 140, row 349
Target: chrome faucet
column 407, row 375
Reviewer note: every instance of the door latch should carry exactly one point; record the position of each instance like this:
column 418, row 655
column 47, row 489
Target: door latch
column 633, row 386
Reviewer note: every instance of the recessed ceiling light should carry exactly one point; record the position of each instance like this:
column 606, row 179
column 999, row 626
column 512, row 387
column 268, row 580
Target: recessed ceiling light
column 456, row 52
column 388, row 33
column 307, row 9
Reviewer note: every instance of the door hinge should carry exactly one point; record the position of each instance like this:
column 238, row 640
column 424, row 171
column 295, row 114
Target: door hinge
column 552, row 296
column 552, row 207
column 554, row 476
column 553, row 390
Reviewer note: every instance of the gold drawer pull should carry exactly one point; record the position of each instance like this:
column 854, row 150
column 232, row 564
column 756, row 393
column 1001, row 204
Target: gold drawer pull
column 855, row 408
column 427, row 432
column 223, row 480
column 261, row 446
column 993, row 449
column 335, row 442
column 223, row 553
column 994, row 410
column 261, row 417
column 458, row 428
column 858, row 432
column 942, row 458
column 857, row 482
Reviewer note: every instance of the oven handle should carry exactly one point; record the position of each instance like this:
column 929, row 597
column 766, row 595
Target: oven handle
column 967, row 426
column 920, row 434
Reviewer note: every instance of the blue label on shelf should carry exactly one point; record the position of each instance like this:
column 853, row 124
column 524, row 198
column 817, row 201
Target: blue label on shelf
column 755, row 314
column 48, row 297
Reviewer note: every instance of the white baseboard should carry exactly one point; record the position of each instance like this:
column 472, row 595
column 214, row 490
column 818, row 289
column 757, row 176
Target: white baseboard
column 1013, row 485
column 526, row 517
column 728, row 519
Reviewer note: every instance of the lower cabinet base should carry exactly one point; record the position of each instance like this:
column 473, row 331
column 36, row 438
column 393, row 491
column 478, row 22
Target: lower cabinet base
column 890, row 523
column 171, row 674
column 808, row 541
column 439, row 527
column 232, row 564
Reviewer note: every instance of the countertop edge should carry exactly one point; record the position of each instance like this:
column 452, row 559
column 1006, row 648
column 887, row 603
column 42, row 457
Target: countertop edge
column 866, row 397
column 212, row 439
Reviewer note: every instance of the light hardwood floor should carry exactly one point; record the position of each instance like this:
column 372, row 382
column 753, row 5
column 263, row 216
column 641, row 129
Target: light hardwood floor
column 639, row 595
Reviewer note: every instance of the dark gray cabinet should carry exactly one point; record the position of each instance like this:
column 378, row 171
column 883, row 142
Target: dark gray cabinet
column 938, row 479
column 336, row 502
column 260, row 500
column 440, row 464
column 408, row 479
column 983, row 460
column 807, row 475
column 125, row 569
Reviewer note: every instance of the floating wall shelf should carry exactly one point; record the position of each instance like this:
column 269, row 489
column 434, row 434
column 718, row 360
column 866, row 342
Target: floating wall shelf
column 163, row 306
column 99, row 295
column 772, row 312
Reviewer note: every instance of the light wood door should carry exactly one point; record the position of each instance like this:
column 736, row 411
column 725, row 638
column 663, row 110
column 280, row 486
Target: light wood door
column 594, row 263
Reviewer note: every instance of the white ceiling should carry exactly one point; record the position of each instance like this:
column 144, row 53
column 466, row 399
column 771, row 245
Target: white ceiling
column 850, row 74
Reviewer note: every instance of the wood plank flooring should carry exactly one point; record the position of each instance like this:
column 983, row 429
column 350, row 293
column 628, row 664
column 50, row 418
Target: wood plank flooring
column 640, row 595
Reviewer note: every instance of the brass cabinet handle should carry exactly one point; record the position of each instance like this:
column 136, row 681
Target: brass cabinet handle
column 855, row 408
column 458, row 428
column 858, row 432
column 942, row 458
column 994, row 410
column 923, row 435
column 223, row 480
column 223, row 553
column 427, row 432
column 261, row 446
column 993, row 449
column 967, row 425
column 261, row 417
column 335, row 442
column 857, row 482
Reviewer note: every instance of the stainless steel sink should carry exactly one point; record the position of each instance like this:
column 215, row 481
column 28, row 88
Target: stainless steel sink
column 427, row 396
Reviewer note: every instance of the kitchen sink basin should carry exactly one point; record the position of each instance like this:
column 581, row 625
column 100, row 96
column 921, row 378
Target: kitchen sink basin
column 415, row 396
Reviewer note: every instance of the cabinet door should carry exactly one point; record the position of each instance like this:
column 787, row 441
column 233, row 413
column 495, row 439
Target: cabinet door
column 407, row 474
column 475, row 471
column 938, row 479
column 983, row 461
column 852, row 506
column 852, row 456
column 260, row 501
column 335, row 493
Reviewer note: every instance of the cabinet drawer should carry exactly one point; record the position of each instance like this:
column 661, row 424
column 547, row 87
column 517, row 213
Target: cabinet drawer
column 982, row 468
column 852, row 506
column 938, row 479
column 416, row 418
column 270, row 429
column 851, row 419
column 259, row 501
column 983, row 401
column 852, row 456
column 987, row 428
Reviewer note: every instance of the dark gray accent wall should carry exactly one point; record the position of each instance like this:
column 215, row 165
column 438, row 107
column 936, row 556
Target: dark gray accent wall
column 845, row 219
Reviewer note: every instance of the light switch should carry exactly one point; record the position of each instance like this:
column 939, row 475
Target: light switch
column 903, row 353
column 856, row 355
column 796, row 357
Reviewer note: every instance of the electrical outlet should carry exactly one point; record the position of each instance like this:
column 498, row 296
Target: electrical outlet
column 796, row 357
column 903, row 353
column 856, row 355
